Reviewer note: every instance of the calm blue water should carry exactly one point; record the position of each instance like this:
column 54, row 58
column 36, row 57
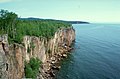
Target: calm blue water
column 96, row 53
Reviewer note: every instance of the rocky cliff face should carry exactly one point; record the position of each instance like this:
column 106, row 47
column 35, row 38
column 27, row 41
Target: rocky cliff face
column 12, row 56
column 11, row 59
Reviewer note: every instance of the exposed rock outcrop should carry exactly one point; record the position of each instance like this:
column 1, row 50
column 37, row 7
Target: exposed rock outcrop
column 3, row 60
column 11, row 59
column 50, row 52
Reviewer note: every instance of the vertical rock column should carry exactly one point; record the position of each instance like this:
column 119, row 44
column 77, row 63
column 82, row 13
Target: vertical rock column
column 3, row 60
column 11, row 59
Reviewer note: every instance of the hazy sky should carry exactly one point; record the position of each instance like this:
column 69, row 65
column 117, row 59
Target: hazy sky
column 85, row 10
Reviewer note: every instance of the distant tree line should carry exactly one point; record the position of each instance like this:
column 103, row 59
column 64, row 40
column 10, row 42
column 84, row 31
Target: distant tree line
column 17, row 28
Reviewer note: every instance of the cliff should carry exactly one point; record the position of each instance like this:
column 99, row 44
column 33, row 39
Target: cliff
column 13, row 56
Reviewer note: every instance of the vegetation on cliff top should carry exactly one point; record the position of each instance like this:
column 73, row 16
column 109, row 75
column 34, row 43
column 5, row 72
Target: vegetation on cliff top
column 17, row 28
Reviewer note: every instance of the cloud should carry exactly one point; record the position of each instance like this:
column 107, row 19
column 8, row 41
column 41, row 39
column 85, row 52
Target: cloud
column 4, row 1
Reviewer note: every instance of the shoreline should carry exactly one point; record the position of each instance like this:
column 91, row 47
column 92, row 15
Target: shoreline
column 49, row 52
column 52, row 65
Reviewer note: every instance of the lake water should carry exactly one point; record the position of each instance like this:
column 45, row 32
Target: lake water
column 96, row 53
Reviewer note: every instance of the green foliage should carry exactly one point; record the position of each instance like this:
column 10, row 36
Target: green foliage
column 7, row 22
column 32, row 68
column 17, row 28
column 28, row 49
column 32, row 45
column 41, row 28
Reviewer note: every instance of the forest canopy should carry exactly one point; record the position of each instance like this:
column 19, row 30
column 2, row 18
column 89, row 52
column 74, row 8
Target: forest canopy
column 16, row 28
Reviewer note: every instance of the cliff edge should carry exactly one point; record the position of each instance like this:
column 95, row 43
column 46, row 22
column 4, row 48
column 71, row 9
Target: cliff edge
column 50, row 52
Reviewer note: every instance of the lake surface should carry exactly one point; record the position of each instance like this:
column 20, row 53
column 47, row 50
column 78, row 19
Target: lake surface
column 96, row 53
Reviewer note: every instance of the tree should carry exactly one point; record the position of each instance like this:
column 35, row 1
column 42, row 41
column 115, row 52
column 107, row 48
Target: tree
column 7, row 21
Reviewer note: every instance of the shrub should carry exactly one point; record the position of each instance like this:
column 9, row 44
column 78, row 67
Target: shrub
column 28, row 49
column 32, row 45
column 32, row 68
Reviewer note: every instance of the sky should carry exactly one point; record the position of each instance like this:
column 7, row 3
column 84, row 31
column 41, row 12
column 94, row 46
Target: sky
column 82, row 10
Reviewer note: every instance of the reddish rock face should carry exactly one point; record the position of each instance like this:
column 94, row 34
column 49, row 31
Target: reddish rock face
column 12, row 57
column 11, row 60
column 15, row 61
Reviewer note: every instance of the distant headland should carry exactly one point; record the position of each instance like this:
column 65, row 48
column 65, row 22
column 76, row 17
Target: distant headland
column 72, row 22
column 78, row 22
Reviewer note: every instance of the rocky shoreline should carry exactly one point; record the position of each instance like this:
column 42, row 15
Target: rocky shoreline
column 50, row 68
column 49, row 52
